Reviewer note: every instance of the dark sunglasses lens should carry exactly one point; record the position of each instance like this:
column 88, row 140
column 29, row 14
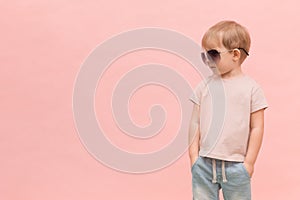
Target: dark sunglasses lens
column 203, row 58
column 214, row 54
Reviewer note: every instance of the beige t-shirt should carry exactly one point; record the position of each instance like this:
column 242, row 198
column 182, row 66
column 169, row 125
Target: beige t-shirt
column 233, row 104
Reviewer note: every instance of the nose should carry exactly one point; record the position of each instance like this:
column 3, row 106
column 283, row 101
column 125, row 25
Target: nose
column 211, row 64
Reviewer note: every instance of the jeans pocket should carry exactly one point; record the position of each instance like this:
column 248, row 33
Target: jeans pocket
column 245, row 170
column 195, row 163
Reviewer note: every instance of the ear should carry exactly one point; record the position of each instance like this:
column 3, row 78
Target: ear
column 236, row 55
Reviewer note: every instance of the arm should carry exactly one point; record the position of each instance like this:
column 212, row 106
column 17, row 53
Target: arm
column 255, row 139
column 194, row 134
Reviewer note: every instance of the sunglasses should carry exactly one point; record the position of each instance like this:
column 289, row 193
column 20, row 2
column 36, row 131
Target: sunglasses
column 214, row 55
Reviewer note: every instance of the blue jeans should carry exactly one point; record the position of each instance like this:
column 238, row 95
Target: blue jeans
column 210, row 175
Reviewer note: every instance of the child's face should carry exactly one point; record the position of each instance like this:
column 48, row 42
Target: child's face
column 221, row 60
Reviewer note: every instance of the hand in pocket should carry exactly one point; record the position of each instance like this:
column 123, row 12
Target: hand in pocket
column 193, row 161
column 249, row 168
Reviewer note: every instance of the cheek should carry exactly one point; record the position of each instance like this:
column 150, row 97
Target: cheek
column 225, row 64
column 221, row 65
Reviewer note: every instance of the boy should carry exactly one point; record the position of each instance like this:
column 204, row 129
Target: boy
column 228, row 162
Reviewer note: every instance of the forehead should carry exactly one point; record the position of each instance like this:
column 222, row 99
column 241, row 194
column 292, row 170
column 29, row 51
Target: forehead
column 212, row 41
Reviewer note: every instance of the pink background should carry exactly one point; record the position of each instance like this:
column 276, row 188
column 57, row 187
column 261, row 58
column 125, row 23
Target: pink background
column 42, row 46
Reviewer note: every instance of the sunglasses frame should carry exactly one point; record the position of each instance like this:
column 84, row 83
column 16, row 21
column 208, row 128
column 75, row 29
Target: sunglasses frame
column 214, row 55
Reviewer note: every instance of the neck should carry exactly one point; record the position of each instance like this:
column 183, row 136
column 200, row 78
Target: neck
column 233, row 73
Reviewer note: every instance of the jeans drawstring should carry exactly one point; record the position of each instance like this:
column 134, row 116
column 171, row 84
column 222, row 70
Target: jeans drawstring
column 223, row 172
column 214, row 170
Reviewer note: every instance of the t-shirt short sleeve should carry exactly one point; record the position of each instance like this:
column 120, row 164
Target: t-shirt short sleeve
column 195, row 97
column 258, row 99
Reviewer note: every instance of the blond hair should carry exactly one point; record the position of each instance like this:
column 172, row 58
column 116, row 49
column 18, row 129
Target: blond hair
column 230, row 34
